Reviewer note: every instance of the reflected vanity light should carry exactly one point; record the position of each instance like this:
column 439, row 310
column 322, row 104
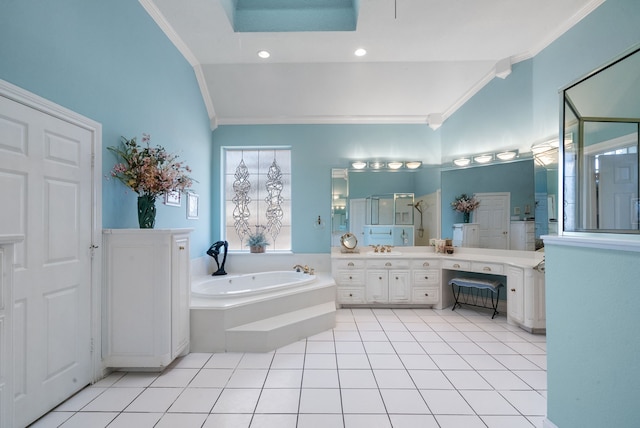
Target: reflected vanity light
column 462, row 162
column 376, row 165
column 507, row 155
column 483, row 158
column 413, row 164
column 359, row 164
column 395, row 165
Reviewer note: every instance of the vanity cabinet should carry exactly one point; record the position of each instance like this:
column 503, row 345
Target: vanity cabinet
column 522, row 235
column 515, row 294
column 466, row 235
column 146, row 297
column 425, row 282
column 350, row 279
column 388, row 281
column 393, row 279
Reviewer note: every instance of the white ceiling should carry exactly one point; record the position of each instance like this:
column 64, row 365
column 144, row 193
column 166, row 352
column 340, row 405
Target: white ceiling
column 425, row 58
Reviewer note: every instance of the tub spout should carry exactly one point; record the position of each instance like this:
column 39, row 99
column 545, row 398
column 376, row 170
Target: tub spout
column 300, row 268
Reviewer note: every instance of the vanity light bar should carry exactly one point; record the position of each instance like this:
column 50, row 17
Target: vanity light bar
column 393, row 165
column 484, row 158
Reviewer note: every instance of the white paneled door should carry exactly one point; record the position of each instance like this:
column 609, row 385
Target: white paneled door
column 46, row 182
column 492, row 216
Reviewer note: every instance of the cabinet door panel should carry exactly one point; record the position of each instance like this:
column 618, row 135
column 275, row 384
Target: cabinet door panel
column 399, row 286
column 377, row 286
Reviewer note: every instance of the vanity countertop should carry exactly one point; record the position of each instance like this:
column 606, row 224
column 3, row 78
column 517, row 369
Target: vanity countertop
column 526, row 259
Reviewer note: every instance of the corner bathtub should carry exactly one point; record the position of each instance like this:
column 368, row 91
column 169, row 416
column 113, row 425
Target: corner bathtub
column 233, row 286
column 259, row 312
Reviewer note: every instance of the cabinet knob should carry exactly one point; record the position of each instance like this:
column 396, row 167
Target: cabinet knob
column 426, row 294
column 350, row 264
column 380, row 278
column 181, row 247
column 396, row 278
column 387, row 264
column 350, row 277
column 456, row 265
column 426, row 264
column 350, row 294
column 513, row 289
column 426, row 277
column 486, row 269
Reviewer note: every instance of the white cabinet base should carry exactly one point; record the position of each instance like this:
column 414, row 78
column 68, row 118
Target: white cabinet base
column 146, row 297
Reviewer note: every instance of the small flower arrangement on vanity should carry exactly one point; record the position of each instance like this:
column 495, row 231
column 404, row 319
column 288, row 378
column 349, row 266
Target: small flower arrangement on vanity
column 465, row 204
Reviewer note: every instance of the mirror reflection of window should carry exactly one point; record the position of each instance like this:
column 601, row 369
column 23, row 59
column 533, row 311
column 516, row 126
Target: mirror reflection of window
column 600, row 158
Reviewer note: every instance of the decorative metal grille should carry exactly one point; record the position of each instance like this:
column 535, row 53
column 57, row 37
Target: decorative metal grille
column 241, row 199
column 274, row 199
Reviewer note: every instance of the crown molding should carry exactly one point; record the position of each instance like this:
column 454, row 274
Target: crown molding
column 182, row 47
column 322, row 120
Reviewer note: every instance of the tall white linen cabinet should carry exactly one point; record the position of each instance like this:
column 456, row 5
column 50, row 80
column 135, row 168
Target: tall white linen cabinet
column 146, row 297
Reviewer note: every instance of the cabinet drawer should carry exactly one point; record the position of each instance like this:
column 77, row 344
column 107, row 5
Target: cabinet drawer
column 425, row 295
column 350, row 277
column 456, row 264
column 350, row 295
column 388, row 264
column 426, row 276
column 349, row 264
column 425, row 264
column 487, row 267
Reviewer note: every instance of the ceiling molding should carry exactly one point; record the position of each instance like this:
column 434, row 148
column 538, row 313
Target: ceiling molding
column 323, row 120
column 469, row 94
column 177, row 41
column 553, row 36
column 204, row 90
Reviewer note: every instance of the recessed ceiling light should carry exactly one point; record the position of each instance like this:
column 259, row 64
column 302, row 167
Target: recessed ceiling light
column 264, row 54
column 360, row 52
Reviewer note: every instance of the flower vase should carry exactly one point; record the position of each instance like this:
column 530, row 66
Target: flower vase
column 466, row 216
column 146, row 211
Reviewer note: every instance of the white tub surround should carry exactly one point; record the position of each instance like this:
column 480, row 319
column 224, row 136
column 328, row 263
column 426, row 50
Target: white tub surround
column 248, row 284
column 418, row 277
column 261, row 320
column 146, row 297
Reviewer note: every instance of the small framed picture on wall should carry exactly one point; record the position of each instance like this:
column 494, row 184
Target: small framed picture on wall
column 192, row 206
column 172, row 199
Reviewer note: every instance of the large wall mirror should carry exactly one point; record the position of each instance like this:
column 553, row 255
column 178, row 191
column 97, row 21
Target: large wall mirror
column 600, row 149
column 351, row 189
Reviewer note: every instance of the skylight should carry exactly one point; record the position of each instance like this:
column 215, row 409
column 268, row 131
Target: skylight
column 292, row 15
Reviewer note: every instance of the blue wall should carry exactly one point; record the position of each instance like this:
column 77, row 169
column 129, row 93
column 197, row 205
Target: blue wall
column 315, row 149
column 593, row 340
column 109, row 61
column 515, row 177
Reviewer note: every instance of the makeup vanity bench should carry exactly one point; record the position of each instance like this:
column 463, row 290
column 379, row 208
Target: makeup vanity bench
column 416, row 277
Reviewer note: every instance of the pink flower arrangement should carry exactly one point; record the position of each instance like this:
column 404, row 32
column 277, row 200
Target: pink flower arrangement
column 465, row 204
column 149, row 171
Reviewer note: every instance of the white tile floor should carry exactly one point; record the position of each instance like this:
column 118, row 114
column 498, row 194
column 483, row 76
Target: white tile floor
column 396, row 368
